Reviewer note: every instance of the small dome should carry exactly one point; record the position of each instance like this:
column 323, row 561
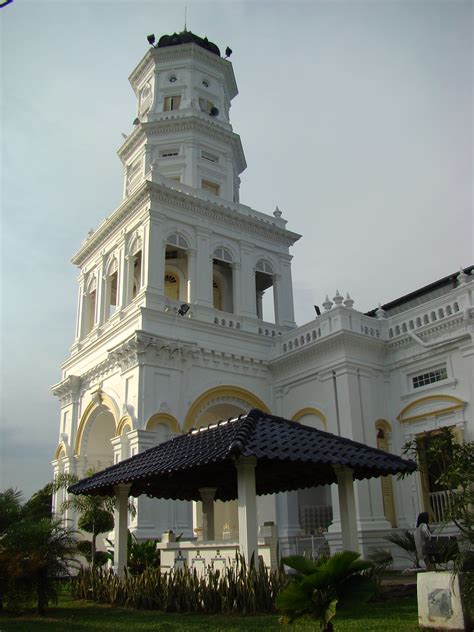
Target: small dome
column 186, row 37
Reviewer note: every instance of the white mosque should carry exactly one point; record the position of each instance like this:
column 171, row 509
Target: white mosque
column 173, row 333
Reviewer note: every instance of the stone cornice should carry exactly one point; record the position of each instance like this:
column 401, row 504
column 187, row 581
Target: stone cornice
column 183, row 120
column 67, row 391
column 146, row 348
column 110, row 224
column 342, row 339
column 179, row 53
column 223, row 212
column 219, row 211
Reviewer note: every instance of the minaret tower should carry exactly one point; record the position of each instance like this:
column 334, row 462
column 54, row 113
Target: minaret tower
column 172, row 331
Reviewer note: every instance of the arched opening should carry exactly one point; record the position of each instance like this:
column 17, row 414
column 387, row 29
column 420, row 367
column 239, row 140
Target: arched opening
column 135, row 268
column 176, row 268
column 217, row 404
column 171, row 286
column 90, row 300
column 314, row 503
column 264, row 291
column 95, row 432
column 222, row 280
column 111, row 289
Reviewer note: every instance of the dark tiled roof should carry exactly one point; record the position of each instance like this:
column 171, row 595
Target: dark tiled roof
column 417, row 297
column 289, row 456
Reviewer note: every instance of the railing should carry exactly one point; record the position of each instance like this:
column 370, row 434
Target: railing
column 440, row 502
column 311, row 546
column 315, row 518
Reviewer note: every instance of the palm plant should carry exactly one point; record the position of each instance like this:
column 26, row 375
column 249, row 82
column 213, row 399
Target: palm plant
column 95, row 513
column 34, row 551
column 406, row 541
column 321, row 586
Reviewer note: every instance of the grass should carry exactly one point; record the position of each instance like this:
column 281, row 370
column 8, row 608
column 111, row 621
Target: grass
column 398, row 615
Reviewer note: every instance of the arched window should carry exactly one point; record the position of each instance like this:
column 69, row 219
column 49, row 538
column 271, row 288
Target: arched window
column 265, row 307
column 223, row 254
column 222, row 280
column 175, row 239
column 111, row 289
column 383, row 428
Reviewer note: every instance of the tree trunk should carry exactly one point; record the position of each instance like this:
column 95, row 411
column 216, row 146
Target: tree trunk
column 42, row 591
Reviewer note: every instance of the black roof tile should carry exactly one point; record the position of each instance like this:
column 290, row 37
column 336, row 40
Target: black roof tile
column 289, row 456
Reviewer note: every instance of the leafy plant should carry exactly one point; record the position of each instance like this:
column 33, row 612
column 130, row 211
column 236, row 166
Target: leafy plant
column 95, row 513
column 455, row 463
column 382, row 561
column 322, row 586
column 34, row 552
column 238, row 588
column 142, row 555
column 406, row 541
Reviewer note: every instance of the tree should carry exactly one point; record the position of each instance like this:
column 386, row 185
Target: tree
column 40, row 504
column 34, row 551
column 454, row 463
column 321, row 586
column 95, row 513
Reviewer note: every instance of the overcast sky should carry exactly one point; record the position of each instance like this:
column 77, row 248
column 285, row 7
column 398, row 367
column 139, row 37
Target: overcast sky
column 355, row 117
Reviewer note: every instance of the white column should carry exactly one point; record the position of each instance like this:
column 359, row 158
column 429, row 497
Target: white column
column 283, row 291
column 247, row 507
column 347, row 507
column 192, row 274
column 207, row 497
column 101, row 292
column 80, row 308
column 120, row 531
column 247, row 280
column 153, row 257
column 236, row 289
column 203, row 295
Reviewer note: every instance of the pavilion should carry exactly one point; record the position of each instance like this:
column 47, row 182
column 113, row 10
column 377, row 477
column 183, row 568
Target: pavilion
column 253, row 454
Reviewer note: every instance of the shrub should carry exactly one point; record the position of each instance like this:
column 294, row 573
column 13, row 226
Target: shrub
column 239, row 587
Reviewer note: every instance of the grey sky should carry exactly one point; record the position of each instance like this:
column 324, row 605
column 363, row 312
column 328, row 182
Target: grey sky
column 356, row 119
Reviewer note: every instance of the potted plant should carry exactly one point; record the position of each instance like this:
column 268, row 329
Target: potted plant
column 446, row 598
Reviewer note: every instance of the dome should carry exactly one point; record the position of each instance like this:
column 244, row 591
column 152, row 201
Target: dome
column 186, row 37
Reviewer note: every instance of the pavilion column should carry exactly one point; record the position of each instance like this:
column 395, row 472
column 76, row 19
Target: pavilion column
column 347, row 507
column 247, row 507
column 120, row 531
column 207, row 497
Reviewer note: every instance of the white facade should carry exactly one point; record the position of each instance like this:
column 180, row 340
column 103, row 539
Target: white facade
column 139, row 371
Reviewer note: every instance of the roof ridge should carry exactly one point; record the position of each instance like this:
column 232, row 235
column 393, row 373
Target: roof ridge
column 243, row 434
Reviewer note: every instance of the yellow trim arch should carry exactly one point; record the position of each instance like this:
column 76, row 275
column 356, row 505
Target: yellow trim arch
column 122, row 424
column 223, row 391
column 108, row 403
column 163, row 418
column 451, row 404
column 61, row 449
column 310, row 411
column 383, row 424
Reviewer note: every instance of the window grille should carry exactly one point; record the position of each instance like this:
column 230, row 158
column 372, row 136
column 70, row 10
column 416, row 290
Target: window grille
column 436, row 375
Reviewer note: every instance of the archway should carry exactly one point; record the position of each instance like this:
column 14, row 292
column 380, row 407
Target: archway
column 98, row 426
column 217, row 404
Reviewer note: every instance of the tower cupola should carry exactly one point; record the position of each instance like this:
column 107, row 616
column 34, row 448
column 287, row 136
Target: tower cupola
column 182, row 129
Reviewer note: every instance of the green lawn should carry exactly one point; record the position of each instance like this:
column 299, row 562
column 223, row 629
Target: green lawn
column 72, row 616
